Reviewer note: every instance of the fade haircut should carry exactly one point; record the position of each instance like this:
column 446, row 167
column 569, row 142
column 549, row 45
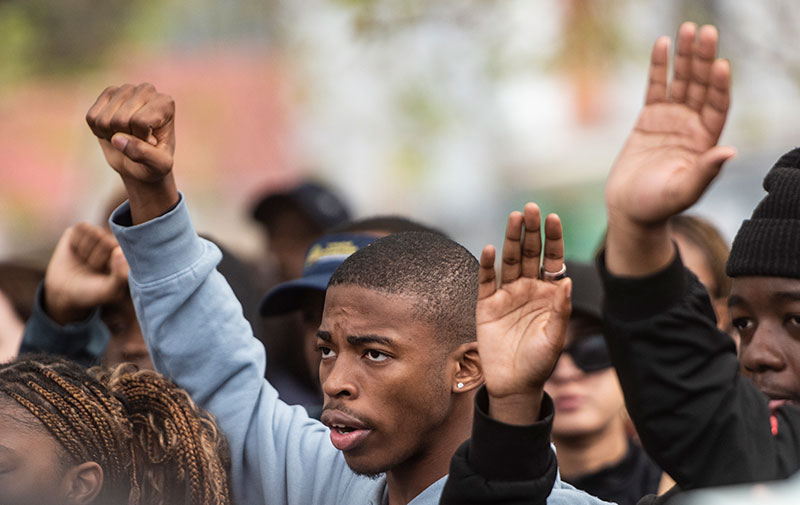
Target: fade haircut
column 439, row 275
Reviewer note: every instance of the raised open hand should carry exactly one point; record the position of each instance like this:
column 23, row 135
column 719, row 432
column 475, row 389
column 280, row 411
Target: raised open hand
column 87, row 269
column 671, row 155
column 135, row 126
column 522, row 322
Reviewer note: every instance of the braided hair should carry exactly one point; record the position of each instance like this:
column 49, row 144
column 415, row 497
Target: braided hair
column 156, row 447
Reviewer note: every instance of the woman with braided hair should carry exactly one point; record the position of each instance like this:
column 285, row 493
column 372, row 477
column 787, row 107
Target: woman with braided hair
column 72, row 436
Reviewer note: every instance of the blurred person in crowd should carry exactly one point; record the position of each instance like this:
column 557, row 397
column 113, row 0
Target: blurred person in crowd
column 522, row 325
column 83, row 309
column 706, row 417
column 292, row 219
column 69, row 436
column 397, row 339
column 595, row 452
column 704, row 252
column 18, row 283
column 297, row 380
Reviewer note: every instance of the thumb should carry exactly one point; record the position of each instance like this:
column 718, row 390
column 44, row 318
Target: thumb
column 708, row 166
column 142, row 152
column 119, row 265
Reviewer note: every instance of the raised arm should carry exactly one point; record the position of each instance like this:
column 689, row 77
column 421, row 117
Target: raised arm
column 193, row 323
column 698, row 418
column 521, row 326
column 671, row 156
column 87, row 270
column 522, row 322
column 135, row 126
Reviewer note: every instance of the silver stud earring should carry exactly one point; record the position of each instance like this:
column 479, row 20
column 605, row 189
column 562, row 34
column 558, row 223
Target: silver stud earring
column 460, row 385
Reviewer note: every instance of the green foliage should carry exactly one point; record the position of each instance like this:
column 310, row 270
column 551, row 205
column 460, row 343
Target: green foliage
column 59, row 36
column 16, row 40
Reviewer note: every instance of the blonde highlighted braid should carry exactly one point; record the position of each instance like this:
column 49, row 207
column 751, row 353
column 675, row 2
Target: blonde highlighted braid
column 155, row 445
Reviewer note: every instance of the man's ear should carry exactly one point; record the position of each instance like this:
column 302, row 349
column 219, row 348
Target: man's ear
column 83, row 483
column 468, row 374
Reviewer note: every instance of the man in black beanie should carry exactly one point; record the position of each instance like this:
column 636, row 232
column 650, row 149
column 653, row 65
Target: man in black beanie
column 706, row 420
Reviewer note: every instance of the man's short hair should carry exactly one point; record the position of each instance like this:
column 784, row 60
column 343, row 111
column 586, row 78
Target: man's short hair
column 439, row 274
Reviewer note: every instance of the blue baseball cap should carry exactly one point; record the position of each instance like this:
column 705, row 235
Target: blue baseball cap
column 322, row 259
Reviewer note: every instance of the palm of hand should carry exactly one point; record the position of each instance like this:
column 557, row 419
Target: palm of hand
column 658, row 160
column 515, row 341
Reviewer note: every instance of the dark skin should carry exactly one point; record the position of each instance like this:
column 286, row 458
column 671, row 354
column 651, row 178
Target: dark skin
column 135, row 128
column 522, row 321
column 88, row 270
column 766, row 313
column 35, row 468
column 127, row 343
column 671, row 156
column 311, row 311
column 397, row 380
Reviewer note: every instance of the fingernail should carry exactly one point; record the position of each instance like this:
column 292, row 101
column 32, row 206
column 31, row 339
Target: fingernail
column 119, row 142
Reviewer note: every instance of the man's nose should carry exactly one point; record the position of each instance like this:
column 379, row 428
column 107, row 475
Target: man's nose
column 339, row 381
column 762, row 352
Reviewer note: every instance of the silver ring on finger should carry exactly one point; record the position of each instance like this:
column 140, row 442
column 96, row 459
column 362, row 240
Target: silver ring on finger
column 553, row 276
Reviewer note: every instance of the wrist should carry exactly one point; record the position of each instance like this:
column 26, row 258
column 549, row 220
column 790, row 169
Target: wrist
column 635, row 249
column 151, row 199
column 60, row 309
column 518, row 409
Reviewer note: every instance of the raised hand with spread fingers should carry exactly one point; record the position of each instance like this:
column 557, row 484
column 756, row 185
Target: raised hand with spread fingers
column 521, row 322
column 671, row 156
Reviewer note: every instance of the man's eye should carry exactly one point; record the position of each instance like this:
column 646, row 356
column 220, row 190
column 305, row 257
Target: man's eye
column 742, row 323
column 326, row 352
column 794, row 320
column 374, row 355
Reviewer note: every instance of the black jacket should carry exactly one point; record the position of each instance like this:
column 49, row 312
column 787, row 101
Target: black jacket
column 697, row 417
column 501, row 463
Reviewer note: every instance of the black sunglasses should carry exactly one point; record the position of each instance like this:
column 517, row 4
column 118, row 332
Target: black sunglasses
column 589, row 353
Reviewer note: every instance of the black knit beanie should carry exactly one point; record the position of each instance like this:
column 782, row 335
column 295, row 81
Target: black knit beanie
column 768, row 244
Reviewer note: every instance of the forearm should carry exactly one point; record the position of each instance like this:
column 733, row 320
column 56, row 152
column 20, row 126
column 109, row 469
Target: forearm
column 636, row 250
column 83, row 341
column 151, row 200
column 197, row 335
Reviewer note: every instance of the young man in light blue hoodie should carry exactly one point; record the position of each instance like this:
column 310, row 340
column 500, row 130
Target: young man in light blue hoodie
column 400, row 364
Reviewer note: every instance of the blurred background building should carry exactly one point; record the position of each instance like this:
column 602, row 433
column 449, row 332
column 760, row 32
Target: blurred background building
column 453, row 112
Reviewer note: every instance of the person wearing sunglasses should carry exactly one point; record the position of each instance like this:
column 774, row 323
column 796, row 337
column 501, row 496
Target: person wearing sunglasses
column 590, row 427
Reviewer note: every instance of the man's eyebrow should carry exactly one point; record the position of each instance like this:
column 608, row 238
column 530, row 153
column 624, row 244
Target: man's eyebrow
column 786, row 296
column 778, row 296
column 368, row 339
column 324, row 335
column 735, row 300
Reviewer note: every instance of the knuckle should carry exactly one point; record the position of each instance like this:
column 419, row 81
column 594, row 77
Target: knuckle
column 119, row 124
column 103, row 125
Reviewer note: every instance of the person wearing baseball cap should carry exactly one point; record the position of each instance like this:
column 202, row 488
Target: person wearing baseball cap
column 295, row 372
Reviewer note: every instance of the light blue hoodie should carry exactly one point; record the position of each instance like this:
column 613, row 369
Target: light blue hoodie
column 197, row 335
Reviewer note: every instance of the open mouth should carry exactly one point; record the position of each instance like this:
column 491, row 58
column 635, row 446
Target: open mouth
column 347, row 432
column 341, row 428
